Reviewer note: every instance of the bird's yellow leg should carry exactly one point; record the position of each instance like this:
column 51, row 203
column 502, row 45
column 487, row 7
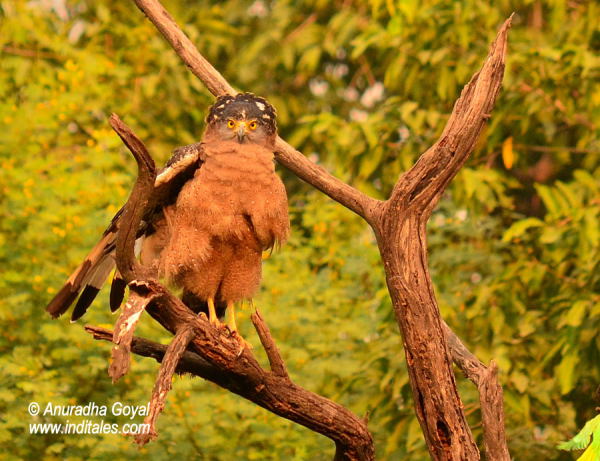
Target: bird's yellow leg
column 233, row 326
column 212, row 313
column 231, row 316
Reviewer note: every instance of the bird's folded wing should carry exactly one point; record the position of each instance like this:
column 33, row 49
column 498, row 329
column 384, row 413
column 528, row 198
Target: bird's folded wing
column 85, row 282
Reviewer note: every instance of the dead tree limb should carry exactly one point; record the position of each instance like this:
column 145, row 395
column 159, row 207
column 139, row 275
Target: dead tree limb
column 490, row 395
column 401, row 235
column 162, row 386
column 127, row 264
column 125, row 329
column 190, row 361
column 275, row 360
column 238, row 369
column 184, row 48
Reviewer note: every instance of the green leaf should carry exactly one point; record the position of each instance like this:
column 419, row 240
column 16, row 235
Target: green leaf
column 520, row 380
column 519, row 228
column 582, row 439
column 565, row 372
column 576, row 314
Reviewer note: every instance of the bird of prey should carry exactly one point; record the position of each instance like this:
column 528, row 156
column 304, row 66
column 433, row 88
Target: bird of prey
column 219, row 205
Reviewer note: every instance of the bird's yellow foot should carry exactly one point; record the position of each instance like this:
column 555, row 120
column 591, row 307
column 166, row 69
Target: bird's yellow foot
column 233, row 327
column 212, row 313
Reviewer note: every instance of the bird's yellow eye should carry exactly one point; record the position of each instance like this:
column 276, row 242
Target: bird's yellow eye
column 230, row 123
column 253, row 125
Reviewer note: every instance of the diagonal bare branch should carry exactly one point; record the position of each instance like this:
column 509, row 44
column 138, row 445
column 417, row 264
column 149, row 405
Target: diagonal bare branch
column 490, row 395
column 162, row 386
column 423, row 185
column 183, row 46
column 275, row 360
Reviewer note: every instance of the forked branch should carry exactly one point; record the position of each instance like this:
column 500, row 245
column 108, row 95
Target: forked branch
column 401, row 236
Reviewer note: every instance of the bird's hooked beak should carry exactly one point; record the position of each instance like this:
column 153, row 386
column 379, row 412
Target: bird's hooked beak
column 240, row 131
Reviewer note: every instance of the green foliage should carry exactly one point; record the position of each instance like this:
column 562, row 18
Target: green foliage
column 362, row 88
column 589, row 433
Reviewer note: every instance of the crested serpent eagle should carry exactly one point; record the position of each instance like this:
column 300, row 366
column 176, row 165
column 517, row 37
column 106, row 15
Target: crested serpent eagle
column 220, row 204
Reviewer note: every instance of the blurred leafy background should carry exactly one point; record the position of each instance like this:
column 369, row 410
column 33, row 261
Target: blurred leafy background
column 361, row 87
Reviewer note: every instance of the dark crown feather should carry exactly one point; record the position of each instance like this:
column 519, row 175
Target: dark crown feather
column 249, row 104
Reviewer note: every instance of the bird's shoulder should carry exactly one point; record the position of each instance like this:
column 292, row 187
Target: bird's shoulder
column 183, row 159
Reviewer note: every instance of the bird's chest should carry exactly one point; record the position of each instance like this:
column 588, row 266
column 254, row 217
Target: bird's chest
column 228, row 185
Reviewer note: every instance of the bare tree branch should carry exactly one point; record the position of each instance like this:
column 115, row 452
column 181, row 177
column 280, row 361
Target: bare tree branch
column 400, row 227
column 315, row 175
column 194, row 364
column 127, row 263
column 190, row 362
column 125, row 329
column 490, row 395
column 423, row 185
column 275, row 360
column 401, row 236
column 162, row 386
column 184, row 48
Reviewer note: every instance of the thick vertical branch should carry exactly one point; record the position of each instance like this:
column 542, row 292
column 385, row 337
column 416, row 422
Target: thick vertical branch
column 401, row 235
column 437, row 403
column 126, row 262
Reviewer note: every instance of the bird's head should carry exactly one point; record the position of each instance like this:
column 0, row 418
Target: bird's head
column 244, row 118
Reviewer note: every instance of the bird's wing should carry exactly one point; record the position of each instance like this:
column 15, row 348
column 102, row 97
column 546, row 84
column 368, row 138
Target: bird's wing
column 85, row 282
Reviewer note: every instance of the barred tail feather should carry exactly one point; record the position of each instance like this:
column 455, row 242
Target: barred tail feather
column 76, row 283
column 93, row 286
column 117, row 291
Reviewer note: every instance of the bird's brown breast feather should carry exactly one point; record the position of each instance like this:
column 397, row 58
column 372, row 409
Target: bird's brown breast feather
column 234, row 204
